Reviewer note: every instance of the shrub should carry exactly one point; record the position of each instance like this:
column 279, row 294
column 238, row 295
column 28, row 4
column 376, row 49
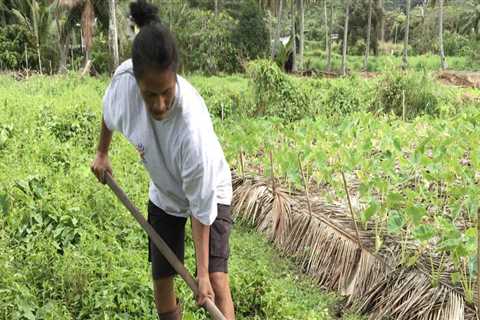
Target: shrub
column 101, row 58
column 276, row 94
column 13, row 39
column 345, row 96
column 421, row 94
column 455, row 44
column 250, row 36
column 205, row 42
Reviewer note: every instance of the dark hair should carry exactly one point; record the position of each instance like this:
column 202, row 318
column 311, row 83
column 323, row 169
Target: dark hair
column 154, row 46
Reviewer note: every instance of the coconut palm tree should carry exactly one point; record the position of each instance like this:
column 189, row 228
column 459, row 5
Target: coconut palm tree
column 36, row 18
column 381, row 15
column 294, row 38
column 277, row 29
column 345, row 38
column 443, row 62
column 66, row 16
column 405, row 40
column 89, row 11
column 113, row 32
column 369, row 31
column 328, row 31
column 301, row 12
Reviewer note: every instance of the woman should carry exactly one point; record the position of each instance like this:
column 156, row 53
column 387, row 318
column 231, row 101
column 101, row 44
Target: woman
column 167, row 121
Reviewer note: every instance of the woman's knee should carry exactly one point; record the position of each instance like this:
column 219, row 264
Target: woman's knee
column 219, row 281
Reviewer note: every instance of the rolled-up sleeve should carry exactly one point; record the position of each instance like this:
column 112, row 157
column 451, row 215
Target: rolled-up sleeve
column 198, row 177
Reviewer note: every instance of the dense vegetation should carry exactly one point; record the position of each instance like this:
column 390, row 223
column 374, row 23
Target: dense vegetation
column 407, row 144
column 220, row 36
column 70, row 250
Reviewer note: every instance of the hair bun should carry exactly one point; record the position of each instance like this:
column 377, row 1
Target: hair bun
column 143, row 13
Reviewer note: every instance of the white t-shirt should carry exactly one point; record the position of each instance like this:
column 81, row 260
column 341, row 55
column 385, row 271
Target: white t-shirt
column 187, row 167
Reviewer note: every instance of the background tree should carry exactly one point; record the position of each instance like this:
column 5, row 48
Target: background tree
column 381, row 25
column 369, row 31
column 277, row 29
column 345, row 38
column 36, row 18
column 328, row 31
column 405, row 40
column 301, row 13
column 64, row 22
column 293, row 36
column 440, row 3
column 113, row 33
column 471, row 17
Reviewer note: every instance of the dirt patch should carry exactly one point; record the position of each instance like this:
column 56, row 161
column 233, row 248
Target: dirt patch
column 460, row 78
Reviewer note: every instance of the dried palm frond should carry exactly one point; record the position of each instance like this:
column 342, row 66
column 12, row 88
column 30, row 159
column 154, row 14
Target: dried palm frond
column 407, row 294
column 268, row 211
column 325, row 244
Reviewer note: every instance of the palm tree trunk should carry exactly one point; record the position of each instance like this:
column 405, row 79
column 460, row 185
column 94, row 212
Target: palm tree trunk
column 63, row 41
column 216, row 7
column 88, row 18
column 443, row 63
column 424, row 15
column 327, row 37
column 277, row 31
column 112, row 33
column 369, row 31
column 396, row 33
column 405, row 41
column 345, row 38
column 301, row 11
column 382, row 20
column 33, row 7
column 294, row 40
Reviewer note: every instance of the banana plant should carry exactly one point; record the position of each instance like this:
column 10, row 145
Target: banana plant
column 36, row 18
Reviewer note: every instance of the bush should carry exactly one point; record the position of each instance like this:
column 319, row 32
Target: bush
column 276, row 94
column 101, row 58
column 13, row 39
column 345, row 95
column 222, row 103
column 359, row 48
column 250, row 37
column 455, row 44
column 421, row 94
column 205, row 42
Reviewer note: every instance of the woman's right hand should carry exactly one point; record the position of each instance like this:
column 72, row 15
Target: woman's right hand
column 100, row 165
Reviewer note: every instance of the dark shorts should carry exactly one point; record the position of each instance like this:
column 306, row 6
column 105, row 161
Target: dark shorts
column 172, row 230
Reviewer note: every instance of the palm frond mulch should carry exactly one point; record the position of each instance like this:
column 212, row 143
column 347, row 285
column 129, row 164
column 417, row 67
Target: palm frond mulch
column 324, row 243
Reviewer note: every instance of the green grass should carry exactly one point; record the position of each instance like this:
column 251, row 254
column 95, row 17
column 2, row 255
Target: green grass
column 316, row 59
column 70, row 250
column 236, row 82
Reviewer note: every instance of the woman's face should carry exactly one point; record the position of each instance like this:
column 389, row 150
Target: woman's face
column 158, row 91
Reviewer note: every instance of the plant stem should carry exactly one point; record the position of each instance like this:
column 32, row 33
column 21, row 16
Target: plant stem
column 351, row 211
column 478, row 262
column 305, row 186
column 271, row 171
column 241, row 164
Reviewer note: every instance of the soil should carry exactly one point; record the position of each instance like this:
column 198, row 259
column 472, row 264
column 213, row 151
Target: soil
column 460, row 78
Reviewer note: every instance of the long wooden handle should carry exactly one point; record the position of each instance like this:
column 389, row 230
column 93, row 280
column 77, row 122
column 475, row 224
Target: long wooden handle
column 162, row 246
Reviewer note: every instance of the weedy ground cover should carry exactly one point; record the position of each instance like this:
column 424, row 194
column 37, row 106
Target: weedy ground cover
column 69, row 250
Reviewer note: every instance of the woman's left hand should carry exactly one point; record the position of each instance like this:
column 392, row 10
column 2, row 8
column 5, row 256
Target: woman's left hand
column 204, row 290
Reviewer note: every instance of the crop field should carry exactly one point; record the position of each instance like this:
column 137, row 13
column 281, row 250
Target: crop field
column 351, row 130
column 70, row 250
